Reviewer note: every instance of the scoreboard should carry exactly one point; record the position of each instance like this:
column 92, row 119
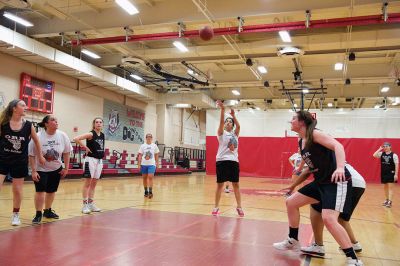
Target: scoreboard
column 37, row 94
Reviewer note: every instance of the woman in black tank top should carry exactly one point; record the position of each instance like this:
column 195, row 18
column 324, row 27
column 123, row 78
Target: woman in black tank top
column 15, row 134
column 325, row 158
column 94, row 147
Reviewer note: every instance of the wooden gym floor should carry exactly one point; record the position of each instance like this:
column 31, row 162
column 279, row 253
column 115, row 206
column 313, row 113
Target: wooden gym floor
column 176, row 227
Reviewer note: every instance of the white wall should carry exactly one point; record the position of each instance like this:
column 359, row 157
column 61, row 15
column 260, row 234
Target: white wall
column 360, row 123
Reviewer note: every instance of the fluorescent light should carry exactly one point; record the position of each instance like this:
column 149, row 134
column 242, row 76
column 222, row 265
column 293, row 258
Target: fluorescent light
column 236, row 92
column 136, row 77
column 91, row 54
column 18, row 19
column 181, row 47
column 338, row 66
column 377, row 106
column 330, row 104
column 306, row 91
column 295, row 105
column 262, row 69
column 127, row 6
column 190, row 72
column 258, row 108
column 285, row 36
column 182, row 105
column 385, row 89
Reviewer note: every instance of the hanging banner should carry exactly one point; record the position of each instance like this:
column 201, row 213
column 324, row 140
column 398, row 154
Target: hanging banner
column 123, row 123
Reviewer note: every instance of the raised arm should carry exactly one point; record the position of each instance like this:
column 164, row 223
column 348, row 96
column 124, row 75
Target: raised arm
column 237, row 125
column 221, row 118
column 396, row 164
column 377, row 153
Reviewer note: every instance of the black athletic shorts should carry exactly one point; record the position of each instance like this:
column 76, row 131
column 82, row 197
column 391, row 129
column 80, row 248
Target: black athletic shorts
column 16, row 170
column 48, row 181
column 227, row 171
column 333, row 196
column 355, row 198
column 387, row 178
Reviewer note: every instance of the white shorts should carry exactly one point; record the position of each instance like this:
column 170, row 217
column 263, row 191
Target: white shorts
column 94, row 165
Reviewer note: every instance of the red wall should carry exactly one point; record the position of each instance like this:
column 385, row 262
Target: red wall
column 268, row 156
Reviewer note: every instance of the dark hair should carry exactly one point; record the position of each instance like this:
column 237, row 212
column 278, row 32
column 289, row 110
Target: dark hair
column 45, row 120
column 230, row 118
column 94, row 121
column 8, row 112
column 310, row 122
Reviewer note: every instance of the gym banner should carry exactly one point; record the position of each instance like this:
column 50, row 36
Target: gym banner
column 123, row 123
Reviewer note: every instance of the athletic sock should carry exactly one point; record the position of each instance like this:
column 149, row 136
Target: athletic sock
column 38, row 213
column 85, row 201
column 150, row 190
column 15, row 209
column 90, row 200
column 294, row 233
column 146, row 190
column 350, row 253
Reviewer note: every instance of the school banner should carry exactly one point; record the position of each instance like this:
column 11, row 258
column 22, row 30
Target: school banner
column 123, row 123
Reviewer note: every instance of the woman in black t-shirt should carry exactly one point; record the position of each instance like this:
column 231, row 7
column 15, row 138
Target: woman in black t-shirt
column 325, row 158
column 15, row 134
column 93, row 163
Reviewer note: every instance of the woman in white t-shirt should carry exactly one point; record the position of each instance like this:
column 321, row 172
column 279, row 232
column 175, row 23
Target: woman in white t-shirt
column 227, row 164
column 147, row 163
column 55, row 146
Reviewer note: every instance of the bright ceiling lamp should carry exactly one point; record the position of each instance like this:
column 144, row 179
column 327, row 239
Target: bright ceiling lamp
column 18, row 19
column 262, row 69
column 306, row 90
column 236, row 92
column 136, row 77
column 127, row 6
column 330, row 104
column 181, row 47
column 285, row 36
column 90, row 53
column 338, row 66
column 385, row 89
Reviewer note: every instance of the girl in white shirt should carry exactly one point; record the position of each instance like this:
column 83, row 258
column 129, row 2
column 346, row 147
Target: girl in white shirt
column 148, row 163
column 227, row 164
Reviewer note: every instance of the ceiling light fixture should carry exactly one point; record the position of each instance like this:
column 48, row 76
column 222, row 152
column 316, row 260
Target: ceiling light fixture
column 236, row 92
column 18, row 19
column 127, row 6
column 285, row 36
column 90, row 53
column 181, row 47
column 262, row 69
column 338, row 66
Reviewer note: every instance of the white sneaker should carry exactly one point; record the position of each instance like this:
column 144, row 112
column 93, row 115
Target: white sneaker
column 287, row 244
column 357, row 247
column 93, row 207
column 353, row 262
column 227, row 190
column 86, row 209
column 314, row 250
column 15, row 219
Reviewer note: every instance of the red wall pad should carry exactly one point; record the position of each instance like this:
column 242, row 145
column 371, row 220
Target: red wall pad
column 268, row 156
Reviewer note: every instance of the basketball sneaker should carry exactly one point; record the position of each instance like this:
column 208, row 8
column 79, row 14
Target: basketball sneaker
column 15, row 221
column 215, row 211
column 51, row 214
column 287, row 244
column 93, row 207
column 86, row 209
column 240, row 212
column 314, row 250
column 353, row 262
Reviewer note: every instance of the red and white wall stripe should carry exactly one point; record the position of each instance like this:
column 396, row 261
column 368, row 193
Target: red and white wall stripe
column 266, row 142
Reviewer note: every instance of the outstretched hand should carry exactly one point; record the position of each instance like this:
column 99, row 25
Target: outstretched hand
column 220, row 104
column 232, row 112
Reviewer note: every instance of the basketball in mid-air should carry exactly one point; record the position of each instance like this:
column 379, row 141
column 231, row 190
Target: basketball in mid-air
column 206, row 33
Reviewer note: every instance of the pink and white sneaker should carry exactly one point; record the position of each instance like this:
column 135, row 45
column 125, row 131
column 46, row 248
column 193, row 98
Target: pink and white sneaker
column 240, row 212
column 215, row 211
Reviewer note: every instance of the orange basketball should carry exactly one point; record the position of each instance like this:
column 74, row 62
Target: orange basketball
column 206, row 33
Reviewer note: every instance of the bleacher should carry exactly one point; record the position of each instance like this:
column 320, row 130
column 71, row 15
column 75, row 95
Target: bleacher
column 125, row 163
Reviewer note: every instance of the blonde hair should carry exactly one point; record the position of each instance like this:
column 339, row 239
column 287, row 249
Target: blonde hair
column 7, row 113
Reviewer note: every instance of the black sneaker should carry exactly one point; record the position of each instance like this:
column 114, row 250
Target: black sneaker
column 146, row 194
column 37, row 219
column 150, row 195
column 49, row 213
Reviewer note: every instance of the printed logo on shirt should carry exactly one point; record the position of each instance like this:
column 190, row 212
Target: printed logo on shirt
column 15, row 141
column 307, row 160
column 148, row 155
column 386, row 158
column 51, row 155
column 101, row 143
column 232, row 144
